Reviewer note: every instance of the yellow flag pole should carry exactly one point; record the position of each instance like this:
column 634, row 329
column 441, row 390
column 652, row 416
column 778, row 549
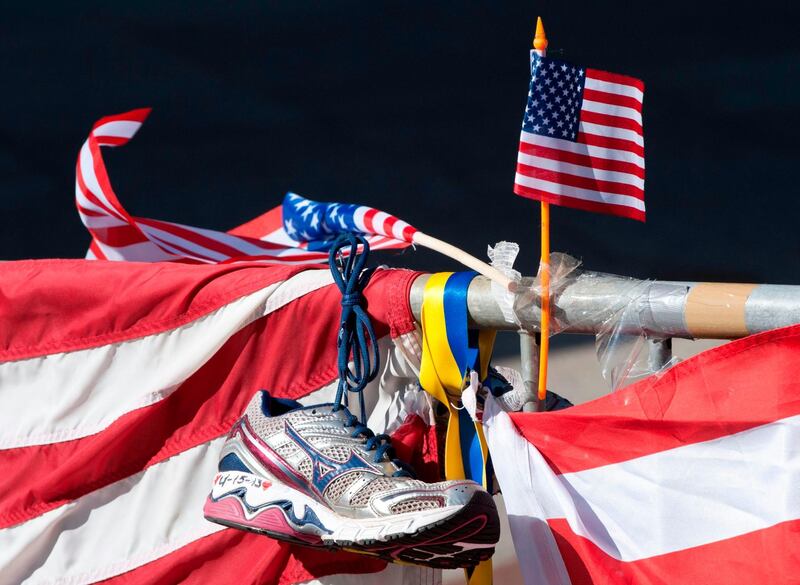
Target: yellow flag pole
column 540, row 46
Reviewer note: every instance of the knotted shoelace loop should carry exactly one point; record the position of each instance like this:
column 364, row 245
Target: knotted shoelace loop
column 357, row 342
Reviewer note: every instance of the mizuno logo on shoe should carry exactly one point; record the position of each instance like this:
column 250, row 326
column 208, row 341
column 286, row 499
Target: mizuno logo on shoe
column 325, row 469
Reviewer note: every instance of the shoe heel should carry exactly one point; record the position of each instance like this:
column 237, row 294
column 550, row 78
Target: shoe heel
column 243, row 500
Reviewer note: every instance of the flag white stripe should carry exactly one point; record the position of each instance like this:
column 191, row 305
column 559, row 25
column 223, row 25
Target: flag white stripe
column 284, row 253
column 579, row 170
column 202, row 253
column 141, row 252
column 86, row 163
column 611, row 132
column 116, row 528
column 81, row 388
column 584, row 149
column 397, row 230
column 669, row 501
column 379, row 221
column 612, row 110
column 117, row 129
column 515, row 462
column 279, row 236
column 578, row 193
column 358, row 217
column 173, row 249
column 84, row 202
column 691, row 495
column 617, row 88
column 380, row 243
column 242, row 245
column 100, row 222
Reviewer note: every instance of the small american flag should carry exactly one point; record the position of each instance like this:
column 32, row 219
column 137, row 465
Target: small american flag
column 318, row 224
column 582, row 143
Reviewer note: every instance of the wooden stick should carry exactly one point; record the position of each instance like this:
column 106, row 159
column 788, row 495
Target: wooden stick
column 466, row 259
column 540, row 46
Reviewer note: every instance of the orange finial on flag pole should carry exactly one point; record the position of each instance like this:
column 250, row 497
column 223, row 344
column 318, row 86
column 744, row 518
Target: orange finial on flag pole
column 540, row 38
column 540, row 46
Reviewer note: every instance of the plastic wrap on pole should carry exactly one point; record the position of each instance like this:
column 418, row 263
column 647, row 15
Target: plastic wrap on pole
column 563, row 270
column 623, row 356
column 621, row 325
column 502, row 257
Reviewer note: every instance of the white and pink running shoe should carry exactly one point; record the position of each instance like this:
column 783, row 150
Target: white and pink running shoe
column 314, row 475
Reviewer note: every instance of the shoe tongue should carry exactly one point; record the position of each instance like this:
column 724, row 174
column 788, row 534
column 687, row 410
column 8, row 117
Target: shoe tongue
column 327, row 409
column 343, row 414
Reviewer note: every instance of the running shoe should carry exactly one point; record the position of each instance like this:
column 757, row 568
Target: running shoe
column 314, row 475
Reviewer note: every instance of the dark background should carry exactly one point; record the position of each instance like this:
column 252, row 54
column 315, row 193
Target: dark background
column 413, row 108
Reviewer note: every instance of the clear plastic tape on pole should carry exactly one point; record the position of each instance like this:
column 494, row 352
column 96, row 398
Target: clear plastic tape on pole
column 621, row 322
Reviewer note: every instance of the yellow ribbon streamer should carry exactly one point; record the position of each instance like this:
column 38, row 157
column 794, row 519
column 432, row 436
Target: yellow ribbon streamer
column 442, row 377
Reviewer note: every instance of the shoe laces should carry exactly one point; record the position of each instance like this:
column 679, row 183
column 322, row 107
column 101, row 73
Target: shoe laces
column 357, row 339
column 381, row 444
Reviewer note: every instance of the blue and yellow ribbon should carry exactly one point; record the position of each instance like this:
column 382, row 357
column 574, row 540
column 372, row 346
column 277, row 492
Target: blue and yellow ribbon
column 449, row 351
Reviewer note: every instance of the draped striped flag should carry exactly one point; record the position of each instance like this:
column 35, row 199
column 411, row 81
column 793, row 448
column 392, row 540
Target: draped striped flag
column 687, row 477
column 118, row 384
column 298, row 232
column 582, row 143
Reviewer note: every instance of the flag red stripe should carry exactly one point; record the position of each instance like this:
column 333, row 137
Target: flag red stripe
column 192, row 236
column 90, row 212
column 182, row 253
column 764, row 556
column 102, row 178
column 582, row 159
column 614, row 143
column 188, row 233
column 615, row 78
column 84, row 295
column 368, row 217
column 614, row 121
column 98, row 253
column 252, row 558
column 408, row 233
column 261, row 226
column 388, row 224
column 593, row 206
column 93, row 197
column 111, row 140
column 650, row 416
column 613, row 99
column 137, row 115
column 42, row 477
column 118, row 236
column 581, row 182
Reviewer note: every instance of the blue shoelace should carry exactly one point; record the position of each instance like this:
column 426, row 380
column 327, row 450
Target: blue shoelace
column 357, row 341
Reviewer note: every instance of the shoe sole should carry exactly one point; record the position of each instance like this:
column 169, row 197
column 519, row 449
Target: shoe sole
column 462, row 539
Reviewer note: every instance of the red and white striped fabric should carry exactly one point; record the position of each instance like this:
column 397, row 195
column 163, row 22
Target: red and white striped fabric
column 117, row 235
column 118, row 382
column 690, row 477
column 582, row 142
